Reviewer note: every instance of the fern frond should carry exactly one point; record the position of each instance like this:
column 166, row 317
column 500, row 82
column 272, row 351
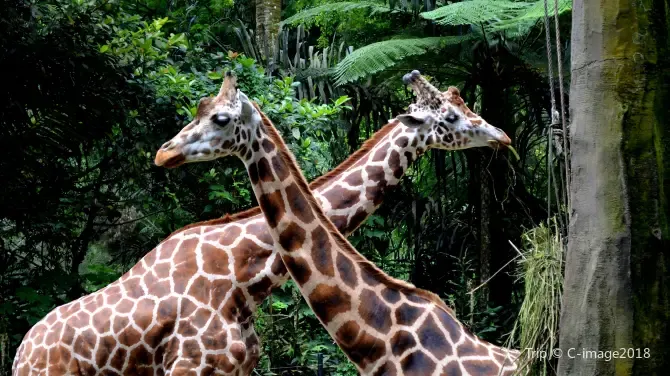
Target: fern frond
column 531, row 14
column 381, row 55
column 341, row 7
column 475, row 12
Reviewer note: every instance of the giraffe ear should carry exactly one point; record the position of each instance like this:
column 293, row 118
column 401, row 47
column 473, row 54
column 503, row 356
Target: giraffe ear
column 415, row 119
column 453, row 95
column 248, row 110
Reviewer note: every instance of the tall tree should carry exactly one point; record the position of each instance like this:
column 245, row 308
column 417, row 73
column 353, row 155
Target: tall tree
column 617, row 282
column 268, row 16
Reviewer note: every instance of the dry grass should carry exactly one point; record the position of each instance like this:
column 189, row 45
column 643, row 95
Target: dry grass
column 541, row 268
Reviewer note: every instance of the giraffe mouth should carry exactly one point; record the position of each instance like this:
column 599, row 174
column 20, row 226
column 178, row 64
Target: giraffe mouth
column 502, row 141
column 169, row 158
column 498, row 144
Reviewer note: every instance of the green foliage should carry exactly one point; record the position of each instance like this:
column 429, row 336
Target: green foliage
column 487, row 322
column 98, row 270
column 98, row 276
column 311, row 126
column 292, row 335
column 516, row 19
column 311, row 14
column 496, row 15
column 378, row 56
column 139, row 43
column 32, row 305
column 474, row 12
column 356, row 22
column 522, row 22
column 75, row 155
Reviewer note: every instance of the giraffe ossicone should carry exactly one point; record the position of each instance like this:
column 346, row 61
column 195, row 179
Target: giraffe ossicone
column 384, row 325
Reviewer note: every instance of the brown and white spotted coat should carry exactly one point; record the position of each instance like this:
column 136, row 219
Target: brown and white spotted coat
column 385, row 326
column 108, row 331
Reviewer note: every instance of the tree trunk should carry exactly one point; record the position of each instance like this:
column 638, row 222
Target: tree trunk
column 268, row 16
column 493, row 250
column 617, row 285
column 484, row 231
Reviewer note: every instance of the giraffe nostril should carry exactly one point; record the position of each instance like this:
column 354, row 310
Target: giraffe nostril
column 166, row 145
column 193, row 137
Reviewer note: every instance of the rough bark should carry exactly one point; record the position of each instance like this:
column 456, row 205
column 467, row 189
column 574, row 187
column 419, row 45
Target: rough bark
column 268, row 16
column 616, row 281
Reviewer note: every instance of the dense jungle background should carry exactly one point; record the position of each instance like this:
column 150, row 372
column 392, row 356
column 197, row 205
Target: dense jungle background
column 93, row 87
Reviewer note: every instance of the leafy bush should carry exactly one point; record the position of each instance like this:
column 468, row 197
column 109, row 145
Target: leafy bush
column 292, row 337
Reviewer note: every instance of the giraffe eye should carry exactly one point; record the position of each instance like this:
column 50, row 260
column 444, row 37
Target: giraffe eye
column 221, row 119
column 451, row 117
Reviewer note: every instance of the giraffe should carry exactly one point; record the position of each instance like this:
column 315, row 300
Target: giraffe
column 385, row 326
column 253, row 269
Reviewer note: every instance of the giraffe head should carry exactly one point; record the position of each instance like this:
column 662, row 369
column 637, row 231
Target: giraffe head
column 223, row 126
column 449, row 122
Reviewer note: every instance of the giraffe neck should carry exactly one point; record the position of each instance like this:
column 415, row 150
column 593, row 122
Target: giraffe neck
column 354, row 189
column 382, row 324
column 349, row 197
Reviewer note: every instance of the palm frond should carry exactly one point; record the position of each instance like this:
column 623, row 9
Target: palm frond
column 341, row 7
column 381, row 55
column 475, row 12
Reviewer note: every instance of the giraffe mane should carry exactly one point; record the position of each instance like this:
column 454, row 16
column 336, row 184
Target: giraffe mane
column 315, row 184
column 364, row 263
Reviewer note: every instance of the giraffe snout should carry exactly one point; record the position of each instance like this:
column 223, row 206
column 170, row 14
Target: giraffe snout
column 504, row 138
column 169, row 157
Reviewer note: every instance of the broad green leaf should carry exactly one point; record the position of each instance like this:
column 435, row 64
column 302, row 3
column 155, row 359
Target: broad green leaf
column 217, row 187
column 278, row 305
column 214, row 75
column 341, row 100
